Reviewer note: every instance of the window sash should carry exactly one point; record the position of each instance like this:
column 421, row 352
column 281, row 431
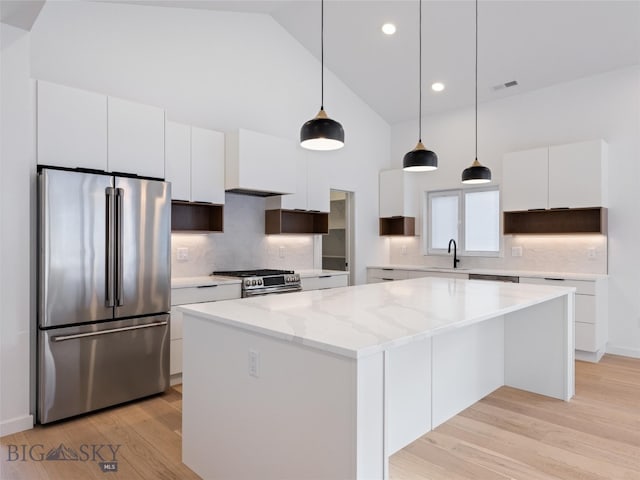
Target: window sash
column 460, row 234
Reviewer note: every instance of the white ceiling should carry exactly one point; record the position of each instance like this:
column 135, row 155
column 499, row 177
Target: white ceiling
column 537, row 43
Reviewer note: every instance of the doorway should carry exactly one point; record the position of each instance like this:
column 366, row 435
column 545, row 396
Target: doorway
column 337, row 246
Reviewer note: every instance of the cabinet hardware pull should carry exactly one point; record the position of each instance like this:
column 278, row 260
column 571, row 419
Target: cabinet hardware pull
column 206, row 286
column 62, row 338
column 555, row 279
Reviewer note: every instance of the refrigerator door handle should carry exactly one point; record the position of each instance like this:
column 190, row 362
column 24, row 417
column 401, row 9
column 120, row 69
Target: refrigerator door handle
column 119, row 247
column 62, row 338
column 109, row 293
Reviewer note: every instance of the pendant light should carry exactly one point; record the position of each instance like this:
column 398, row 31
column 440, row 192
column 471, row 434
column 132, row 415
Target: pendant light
column 420, row 159
column 476, row 173
column 321, row 132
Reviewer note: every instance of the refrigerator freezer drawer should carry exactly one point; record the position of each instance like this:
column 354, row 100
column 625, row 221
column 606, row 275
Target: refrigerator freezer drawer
column 89, row 367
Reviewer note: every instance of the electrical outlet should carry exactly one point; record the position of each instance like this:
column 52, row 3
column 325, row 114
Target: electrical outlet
column 254, row 363
column 592, row 253
column 516, row 251
column 281, row 252
column 182, row 254
column 403, row 250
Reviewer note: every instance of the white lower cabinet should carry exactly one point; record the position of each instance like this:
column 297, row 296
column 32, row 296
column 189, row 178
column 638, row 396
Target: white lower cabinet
column 322, row 282
column 591, row 329
column 183, row 296
column 378, row 274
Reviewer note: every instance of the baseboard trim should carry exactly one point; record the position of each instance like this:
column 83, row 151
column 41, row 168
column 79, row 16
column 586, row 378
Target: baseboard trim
column 593, row 357
column 15, row 425
column 175, row 379
column 624, row 351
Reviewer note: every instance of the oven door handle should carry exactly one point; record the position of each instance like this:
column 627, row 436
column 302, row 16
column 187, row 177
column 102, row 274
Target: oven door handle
column 257, row 292
column 62, row 338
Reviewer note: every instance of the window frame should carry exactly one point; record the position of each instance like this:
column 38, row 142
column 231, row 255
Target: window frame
column 427, row 248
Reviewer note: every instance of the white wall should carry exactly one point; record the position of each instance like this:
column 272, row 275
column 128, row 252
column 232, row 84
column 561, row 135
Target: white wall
column 220, row 70
column 17, row 159
column 605, row 106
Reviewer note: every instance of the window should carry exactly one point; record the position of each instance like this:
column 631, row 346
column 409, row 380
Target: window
column 471, row 217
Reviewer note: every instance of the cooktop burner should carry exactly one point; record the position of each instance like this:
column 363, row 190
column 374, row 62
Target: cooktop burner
column 253, row 273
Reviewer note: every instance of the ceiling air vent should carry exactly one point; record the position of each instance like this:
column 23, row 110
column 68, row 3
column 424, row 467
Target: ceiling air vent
column 501, row 86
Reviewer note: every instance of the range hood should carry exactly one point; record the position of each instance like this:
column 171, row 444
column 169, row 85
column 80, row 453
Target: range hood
column 259, row 164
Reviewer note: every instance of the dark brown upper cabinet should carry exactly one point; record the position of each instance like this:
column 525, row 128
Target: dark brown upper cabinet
column 295, row 221
column 556, row 221
column 196, row 217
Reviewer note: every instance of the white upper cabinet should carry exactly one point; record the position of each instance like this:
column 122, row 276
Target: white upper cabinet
column 578, row 175
column 297, row 200
column 135, row 138
column 318, row 187
column 396, row 194
column 72, row 127
column 80, row 129
column 312, row 186
column 178, row 160
column 560, row 176
column 259, row 162
column 195, row 163
column 207, row 166
column 525, row 180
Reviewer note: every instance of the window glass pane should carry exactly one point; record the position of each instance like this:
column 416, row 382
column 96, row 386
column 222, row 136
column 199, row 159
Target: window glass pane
column 444, row 220
column 482, row 221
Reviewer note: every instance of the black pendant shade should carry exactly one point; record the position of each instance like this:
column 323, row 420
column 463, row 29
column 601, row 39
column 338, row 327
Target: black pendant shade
column 476, row 173
column 420, row 160
column 322, row 133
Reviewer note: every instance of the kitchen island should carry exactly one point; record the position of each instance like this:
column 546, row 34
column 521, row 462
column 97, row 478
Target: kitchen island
column 328, row 384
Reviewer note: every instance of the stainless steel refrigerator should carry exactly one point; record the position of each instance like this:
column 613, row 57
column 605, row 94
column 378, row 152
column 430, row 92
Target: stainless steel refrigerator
column 104, row 271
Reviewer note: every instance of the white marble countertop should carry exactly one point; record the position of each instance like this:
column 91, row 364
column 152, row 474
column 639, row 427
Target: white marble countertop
column 201, row 281
column 365, row 319
column 205, row 280
column 318, row 273
column 486, row 271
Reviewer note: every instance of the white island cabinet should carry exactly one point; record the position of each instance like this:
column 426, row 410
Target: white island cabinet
column 327, row 384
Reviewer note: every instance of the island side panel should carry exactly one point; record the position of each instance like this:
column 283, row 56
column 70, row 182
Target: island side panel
column 467, row 365
column 539, row 348
column 296, row 419
column 372, row 460
column 407, row 393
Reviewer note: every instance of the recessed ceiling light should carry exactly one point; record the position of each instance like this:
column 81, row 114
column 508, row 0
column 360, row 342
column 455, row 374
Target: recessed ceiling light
column 437, row 87
column 389, row 28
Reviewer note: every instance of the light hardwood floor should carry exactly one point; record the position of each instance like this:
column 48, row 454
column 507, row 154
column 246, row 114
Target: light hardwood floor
column 508, row 435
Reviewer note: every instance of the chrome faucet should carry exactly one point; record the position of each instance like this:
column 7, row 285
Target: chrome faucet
column 455, row 252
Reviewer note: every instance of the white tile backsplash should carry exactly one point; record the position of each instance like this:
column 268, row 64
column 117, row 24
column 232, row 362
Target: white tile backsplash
column 557, row 253
column 243, row 245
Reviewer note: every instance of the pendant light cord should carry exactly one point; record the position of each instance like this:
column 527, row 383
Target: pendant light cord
column 476, row 80
column 321, row 54
column 420, row 73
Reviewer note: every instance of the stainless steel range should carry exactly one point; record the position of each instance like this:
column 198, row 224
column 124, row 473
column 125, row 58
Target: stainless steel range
column 266, row 281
